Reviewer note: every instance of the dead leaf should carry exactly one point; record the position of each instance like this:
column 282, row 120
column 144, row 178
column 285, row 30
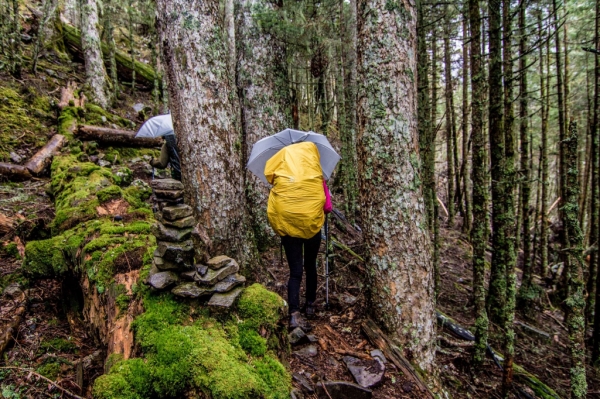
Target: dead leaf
column 20, row 246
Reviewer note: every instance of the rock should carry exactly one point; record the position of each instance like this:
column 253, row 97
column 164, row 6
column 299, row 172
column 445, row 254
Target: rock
column 312, row 338
column 224, row 300
column 164, row 233
column 377, row 354
column 191, row 290
column 296, row 394
column 297, row 336
column 341, row 390
column 103, row 163
column 16, row 158
column 103, row 118
column 332, row 362
column 167, row 184
column 304, row 383
column 162, row 264
column 219, row 261
column 163, row 202
column 162, row 280
column 153, row 270
column 229, row 282
column 190, row 276
column 93, row 158
column 181, row 223
column 137, row 107
column 181, row 253
column 367, row 373
column 408, row 386
column 13, row 291
column 168, row 194
column 214, row 276
column 201, row 269
column 347, row 298
column 307, row 351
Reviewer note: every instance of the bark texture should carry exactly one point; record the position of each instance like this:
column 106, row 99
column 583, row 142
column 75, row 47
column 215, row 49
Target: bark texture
column 263, row 96
column 393, row 212
column 205, row 117
column 92, row 54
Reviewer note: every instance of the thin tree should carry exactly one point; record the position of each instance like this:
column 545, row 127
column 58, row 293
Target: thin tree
column 95, row 74
column 479, row 231
column 450, row 128
column 544, row 82
column 465, row 173
column 398, row 247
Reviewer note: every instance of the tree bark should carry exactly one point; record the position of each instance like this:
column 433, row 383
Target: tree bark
column 544, row 78
column 92, row 54
column 480, row 231
column 450, row 128
column 261, row 80
column 207, row 125
column 392, row 208
column 466, row 175
column 14, row 172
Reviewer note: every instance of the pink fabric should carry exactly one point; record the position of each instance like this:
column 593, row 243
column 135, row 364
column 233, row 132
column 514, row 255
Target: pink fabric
column 327, row 207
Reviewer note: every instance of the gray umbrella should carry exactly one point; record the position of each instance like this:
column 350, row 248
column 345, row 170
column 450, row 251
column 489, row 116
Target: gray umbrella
column 265, row 148
column 157, row 126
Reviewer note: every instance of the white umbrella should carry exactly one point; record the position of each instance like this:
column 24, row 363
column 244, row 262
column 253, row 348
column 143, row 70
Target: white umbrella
column 157, row 126
column 265, row 148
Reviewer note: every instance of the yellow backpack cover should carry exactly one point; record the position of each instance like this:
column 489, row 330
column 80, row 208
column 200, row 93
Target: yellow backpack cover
column 296, row 200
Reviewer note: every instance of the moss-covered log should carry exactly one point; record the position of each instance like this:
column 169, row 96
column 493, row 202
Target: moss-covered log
column 144, row 74
column 114, row 136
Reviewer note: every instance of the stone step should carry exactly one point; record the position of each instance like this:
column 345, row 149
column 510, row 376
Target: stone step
column 164, row 233
column 178, row 252
column 219, row 261
column 176, row 212
column 225, row 300
column 229, row 282
column 166, row 184
column 191, row 290
column 212, row 277
column 163, row 280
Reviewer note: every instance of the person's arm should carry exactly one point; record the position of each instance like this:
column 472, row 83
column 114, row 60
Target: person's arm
column 163, row 160
column 328, row 207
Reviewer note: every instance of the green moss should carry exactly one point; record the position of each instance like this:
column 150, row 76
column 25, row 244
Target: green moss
column 58, row 345
column 541, row 390
column 12, row 250
column 109, row 193
column 113, row 386
column 251, row 341
column 50, row 370
column 260, row 307
column 67, row 121
column 93, row 116
column 45, row 258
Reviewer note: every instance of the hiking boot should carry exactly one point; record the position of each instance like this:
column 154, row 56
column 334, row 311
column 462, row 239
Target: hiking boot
column 309, row 310
column 296, row 320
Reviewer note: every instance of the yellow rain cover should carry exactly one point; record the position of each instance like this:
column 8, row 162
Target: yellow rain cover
column 296, row 200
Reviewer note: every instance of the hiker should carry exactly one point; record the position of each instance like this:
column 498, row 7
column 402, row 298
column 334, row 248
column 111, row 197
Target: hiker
column 168, row 155
column 296, row 210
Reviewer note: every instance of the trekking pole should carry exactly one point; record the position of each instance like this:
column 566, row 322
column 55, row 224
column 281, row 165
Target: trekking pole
column 327, row 262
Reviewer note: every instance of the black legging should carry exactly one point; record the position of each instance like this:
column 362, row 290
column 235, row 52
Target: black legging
column 293, row 252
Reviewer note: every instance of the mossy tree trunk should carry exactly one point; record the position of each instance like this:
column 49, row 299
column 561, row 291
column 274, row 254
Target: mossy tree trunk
column 15, row 56
column 261, row 82
column 574, row 267
column 95, row 74
column 398, row 247
column 465, row 173
column 206, row 113
column 480, row 230
column 449, row 122
column 433, row 212
column 544, row 81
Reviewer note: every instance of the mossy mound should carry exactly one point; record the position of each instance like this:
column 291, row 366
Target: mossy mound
column 22, row 117
column 188, row 351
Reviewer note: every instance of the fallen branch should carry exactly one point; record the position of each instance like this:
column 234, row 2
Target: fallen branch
column 381, row 341
column 14, row 172
column 443, row 207
column 8, row 335
column 55, row 384
column 114, row 136
column 43, row 157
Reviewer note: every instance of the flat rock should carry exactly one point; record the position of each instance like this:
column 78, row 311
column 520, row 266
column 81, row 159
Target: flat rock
column 341, row 390
column 164, row 233
column 181, row 253
column 191, row 290
column 176, row 212
column 307, row 351
column 162, row 264
column 219, row 261
column 201, row 269
column 214, row 276
column 346, row 298
column 189, row 276
column 168, row 194
column 378, row 354
column 225, row 300
column 162, row 280
column 166, row 184
column 229, row 282
column 180, row 223
column 304, row 383
column 162, row 203
column 297, row 336
column 366, row 372
column 312, row 338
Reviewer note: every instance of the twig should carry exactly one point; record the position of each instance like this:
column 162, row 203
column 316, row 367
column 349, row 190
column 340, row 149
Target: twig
column 443, row 207
column 44, row 378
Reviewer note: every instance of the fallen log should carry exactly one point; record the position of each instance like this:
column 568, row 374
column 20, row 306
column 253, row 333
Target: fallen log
column 391, row 351
column 9, row 332
column 14, row 172
column 144, row 74
column 114, row 136
column 43, row 157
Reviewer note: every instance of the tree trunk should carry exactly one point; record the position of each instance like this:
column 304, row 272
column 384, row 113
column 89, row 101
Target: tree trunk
column 263, row 97
column 496, row 298
column 466, row 175
column 434, row 220
column 92, row 54
column 544, row 78
column 207, row 125
column 561, row 112
column 45, row 30
column 479, row 232
column 398, row 248
column 574, row 266
column 450, row 129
